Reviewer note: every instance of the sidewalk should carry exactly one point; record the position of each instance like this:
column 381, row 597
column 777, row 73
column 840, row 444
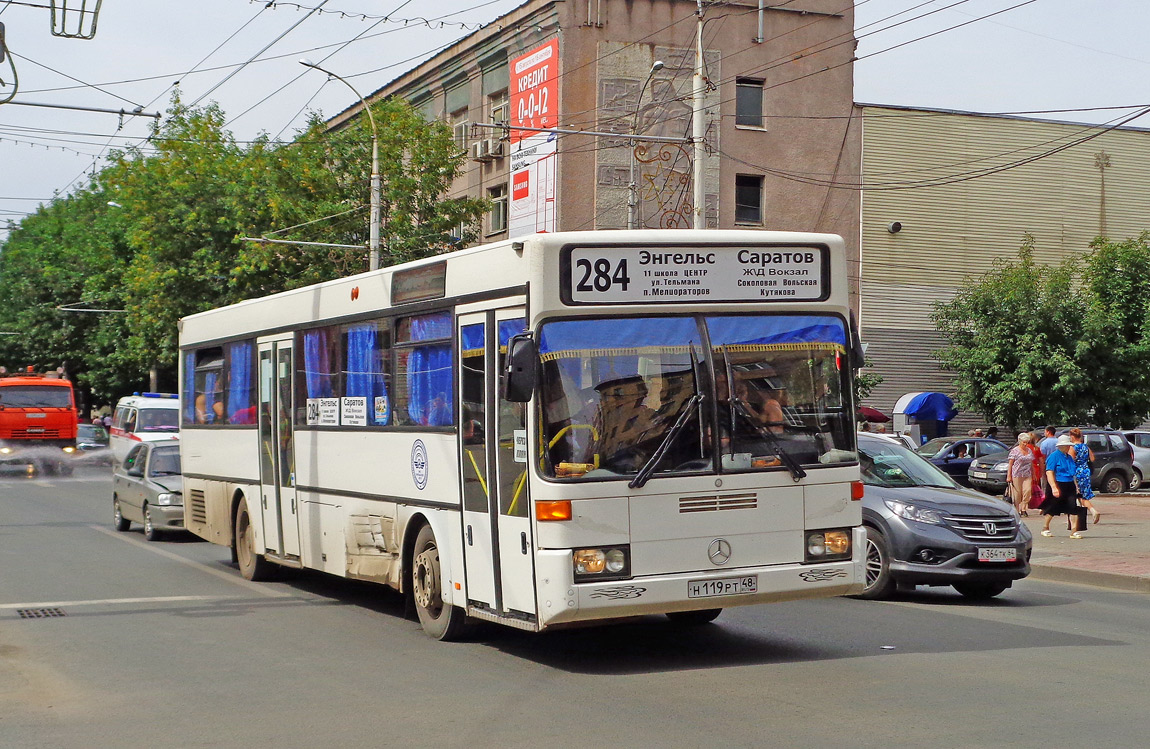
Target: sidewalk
column 1114, row 554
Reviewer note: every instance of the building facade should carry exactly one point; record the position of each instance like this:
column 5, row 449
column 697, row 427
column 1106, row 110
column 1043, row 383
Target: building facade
column 777, row 111
column 947, row 193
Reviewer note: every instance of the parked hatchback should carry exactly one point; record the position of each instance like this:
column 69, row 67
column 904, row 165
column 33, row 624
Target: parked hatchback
column 953, row 455
column 146, row 488
column 924, row 529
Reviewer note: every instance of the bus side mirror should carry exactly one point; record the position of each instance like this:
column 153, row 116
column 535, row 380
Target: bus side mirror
column 520, row 368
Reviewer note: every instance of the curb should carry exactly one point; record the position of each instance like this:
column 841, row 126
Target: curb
column 1114, row 581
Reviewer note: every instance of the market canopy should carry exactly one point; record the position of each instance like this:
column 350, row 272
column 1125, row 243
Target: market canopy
column 926, row 406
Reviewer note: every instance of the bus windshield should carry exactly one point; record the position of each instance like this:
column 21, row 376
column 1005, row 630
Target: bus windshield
column 627, row 396
column 35, row 396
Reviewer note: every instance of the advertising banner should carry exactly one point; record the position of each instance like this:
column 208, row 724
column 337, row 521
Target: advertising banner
column 534, row 104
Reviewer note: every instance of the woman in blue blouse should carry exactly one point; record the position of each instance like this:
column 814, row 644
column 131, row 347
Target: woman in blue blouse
column 1063, row 496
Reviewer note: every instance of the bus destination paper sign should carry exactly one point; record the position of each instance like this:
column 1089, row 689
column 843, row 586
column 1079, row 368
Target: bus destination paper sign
column 618, row 275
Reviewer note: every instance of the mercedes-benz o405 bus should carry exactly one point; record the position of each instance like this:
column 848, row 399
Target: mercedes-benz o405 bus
column 568, row 427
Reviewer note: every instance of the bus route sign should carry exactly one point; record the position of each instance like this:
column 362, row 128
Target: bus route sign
column 621, row 275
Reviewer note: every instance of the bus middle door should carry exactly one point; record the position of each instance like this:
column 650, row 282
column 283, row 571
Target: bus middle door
column 277, row 449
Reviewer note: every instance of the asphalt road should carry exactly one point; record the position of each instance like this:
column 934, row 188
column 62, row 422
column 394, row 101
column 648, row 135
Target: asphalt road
column 164, row 644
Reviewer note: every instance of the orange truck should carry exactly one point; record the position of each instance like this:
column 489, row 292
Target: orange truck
column 38, row 420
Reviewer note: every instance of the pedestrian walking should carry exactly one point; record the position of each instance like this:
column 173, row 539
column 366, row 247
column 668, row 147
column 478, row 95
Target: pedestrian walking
column 1062, row 499
column 1046, row 445
column 1083, row 459
column 1020, row 473
column 1039, row 475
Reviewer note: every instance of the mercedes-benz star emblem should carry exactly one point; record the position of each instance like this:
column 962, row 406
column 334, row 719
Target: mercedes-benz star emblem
column 719, row 552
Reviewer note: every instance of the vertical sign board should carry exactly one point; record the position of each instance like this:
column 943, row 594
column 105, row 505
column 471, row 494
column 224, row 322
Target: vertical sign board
column 534, row 103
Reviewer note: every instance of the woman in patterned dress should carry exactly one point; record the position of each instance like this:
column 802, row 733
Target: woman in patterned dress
column 1083, row 457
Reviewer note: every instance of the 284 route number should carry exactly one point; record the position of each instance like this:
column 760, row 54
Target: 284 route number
column 600, row 275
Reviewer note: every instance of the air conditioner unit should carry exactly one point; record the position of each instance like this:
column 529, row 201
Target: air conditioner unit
column 480, row 150
column 494, row 147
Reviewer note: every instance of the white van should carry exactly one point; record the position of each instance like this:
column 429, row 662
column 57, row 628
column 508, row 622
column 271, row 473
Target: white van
column 144, row 417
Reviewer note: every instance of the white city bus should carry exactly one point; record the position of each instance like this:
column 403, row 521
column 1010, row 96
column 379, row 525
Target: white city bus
column 542, row 431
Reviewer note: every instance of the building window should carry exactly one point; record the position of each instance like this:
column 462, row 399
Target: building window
column 748, row 199
column 748, row 102
column 499, row 108
column 459, row 128
column 498, row 216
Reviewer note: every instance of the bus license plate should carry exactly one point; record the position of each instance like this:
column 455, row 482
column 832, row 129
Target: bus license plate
column 978, row 474
column 997, row 555
column 725, row 586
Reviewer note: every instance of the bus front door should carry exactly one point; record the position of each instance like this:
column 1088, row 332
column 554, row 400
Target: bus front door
column 277, row 450
column 497, row 538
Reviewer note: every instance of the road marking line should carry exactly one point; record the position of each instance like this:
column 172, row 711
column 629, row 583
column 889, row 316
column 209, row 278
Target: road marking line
column 106, row 601
column 262, row 588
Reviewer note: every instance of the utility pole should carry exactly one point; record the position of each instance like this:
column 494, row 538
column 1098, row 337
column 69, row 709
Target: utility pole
column 698, row 128
column 1102, row 162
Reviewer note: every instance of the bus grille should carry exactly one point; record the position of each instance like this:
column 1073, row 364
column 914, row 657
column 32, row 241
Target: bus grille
column 714, row 502
column 197, row 508
column 985, row 527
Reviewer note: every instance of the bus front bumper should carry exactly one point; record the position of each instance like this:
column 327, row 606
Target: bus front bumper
column 561, row 601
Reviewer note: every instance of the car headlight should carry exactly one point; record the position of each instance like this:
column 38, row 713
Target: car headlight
column 1001, row 466
column 69, row 449
column 913, row 512
column 608, row 563
column 824, row 546
column 168, row 498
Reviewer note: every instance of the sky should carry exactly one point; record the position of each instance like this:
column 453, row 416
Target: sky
column 973, row 55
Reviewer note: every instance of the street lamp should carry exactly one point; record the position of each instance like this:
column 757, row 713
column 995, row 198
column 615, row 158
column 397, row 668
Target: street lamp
column 373, row 243
column 632, row 189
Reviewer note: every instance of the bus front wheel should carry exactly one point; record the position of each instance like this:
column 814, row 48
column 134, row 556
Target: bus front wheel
column 438, row 618
column 253, row 566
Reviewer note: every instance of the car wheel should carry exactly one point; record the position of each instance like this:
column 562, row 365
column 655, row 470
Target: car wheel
column 438, row 618
column 694, row 618
column 879, row 583
column 119, row 522
column 980, row 591
column 1135, row 481
column 150, row 531
column 1113, row 483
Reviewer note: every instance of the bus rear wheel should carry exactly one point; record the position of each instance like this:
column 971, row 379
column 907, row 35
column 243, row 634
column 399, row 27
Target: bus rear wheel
column 252, row 565
column 440, row 620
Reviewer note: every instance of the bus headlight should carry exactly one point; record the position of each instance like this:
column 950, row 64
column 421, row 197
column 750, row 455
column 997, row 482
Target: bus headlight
column 168, row 498
column 609, row 563
column 826, row 546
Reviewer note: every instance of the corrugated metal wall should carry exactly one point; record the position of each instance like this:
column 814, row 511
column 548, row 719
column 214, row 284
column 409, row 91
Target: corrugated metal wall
column 956, row 230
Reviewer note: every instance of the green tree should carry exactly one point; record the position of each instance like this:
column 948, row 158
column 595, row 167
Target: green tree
column 1013, row 343
column 1114, row 350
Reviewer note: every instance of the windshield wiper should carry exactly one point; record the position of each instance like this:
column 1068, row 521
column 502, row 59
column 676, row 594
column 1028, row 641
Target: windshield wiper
column 649, row 467
column 738, row 407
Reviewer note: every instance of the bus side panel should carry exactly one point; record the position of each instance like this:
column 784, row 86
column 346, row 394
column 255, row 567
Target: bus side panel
column 215, row 463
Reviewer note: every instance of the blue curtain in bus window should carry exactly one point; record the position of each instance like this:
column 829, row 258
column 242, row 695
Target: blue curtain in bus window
column 211, row 391
column 508, row 328
column 317, row 364
column 189, row 394
column 778, row 331
column 240, row 408
column 429, row 372
column 363, row 376
column 579, row 338
column 471, row 343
